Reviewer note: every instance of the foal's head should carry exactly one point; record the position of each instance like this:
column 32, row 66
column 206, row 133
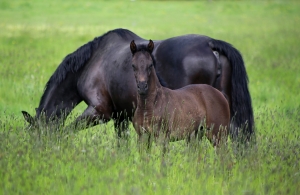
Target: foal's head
column 142, row 64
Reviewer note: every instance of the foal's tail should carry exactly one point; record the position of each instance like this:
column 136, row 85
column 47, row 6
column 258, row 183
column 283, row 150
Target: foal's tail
column 241, row 107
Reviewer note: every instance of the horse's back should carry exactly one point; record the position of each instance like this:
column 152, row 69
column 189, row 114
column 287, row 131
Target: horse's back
column 185, row 60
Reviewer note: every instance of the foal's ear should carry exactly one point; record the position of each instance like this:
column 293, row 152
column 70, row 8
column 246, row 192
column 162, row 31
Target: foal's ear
column 133, row 47
column 150, row 46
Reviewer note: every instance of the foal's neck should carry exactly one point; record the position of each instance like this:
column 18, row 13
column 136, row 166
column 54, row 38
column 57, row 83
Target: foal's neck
column 146, row 102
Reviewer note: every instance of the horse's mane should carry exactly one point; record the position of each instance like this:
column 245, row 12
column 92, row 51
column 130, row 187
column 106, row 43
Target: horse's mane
column 73, row 62
column 144, row 48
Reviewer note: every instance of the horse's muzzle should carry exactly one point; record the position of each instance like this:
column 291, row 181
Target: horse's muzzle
column 142, row 87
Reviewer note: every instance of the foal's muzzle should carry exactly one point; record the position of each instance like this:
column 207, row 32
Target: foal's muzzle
column 142, row 87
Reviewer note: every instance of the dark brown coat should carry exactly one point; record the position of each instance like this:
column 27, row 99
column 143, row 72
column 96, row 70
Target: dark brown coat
column 176, row 113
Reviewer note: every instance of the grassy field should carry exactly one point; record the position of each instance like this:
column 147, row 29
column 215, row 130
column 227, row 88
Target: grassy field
column 36, row 35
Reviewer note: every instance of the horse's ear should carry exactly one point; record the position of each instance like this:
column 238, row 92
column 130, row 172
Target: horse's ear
column 150, row 46
column 28, row 117
column 133, row 47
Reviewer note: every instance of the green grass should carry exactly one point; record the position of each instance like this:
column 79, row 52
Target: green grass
column 35, row 36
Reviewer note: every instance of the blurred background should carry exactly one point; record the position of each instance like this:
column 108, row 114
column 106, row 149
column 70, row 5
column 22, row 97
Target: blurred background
column 36, row 35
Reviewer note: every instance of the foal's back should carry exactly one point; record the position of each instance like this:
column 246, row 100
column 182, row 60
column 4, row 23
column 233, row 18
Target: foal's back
column 199, row 103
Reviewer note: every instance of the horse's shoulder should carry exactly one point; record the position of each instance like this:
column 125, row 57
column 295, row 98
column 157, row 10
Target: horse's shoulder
column 119, row 36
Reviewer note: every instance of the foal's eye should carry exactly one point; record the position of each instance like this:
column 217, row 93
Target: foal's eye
column 133, row 67
column 150, row 65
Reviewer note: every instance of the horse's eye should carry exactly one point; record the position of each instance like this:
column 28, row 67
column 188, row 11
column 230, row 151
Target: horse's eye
column 150, row 65
column 133, row 67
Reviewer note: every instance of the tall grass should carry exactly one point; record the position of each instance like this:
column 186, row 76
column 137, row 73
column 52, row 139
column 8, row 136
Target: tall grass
column 35, row 36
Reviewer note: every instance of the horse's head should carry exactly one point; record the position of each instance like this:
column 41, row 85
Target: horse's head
column 142, row 64
column 38, row 120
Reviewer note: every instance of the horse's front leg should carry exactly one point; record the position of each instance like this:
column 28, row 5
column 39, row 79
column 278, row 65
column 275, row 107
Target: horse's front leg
column 121, row 124
column 92, row 116
column 122, row 131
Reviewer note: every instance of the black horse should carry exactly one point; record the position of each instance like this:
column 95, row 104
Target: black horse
column 98, row 73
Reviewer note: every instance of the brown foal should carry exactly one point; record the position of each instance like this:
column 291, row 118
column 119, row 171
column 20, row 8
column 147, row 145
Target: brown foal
column 175, row 114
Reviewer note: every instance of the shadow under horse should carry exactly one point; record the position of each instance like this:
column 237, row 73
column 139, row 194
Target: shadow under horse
column 99, row 74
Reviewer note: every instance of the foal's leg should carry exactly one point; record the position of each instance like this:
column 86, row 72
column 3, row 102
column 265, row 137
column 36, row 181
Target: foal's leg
column 165, row 148
column 217, row 135
column 144, row 142
column 194, row 138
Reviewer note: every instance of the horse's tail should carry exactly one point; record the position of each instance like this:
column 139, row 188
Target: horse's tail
column 241, row 106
